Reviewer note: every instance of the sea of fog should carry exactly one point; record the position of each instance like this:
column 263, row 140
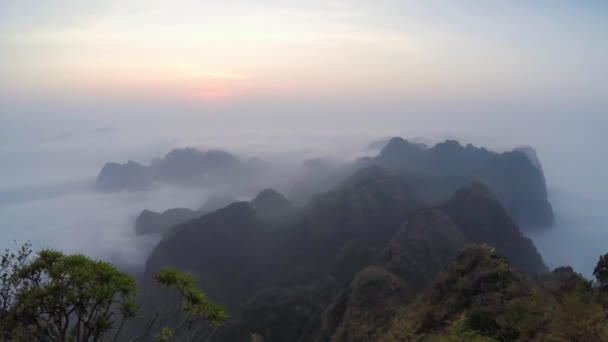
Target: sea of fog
column 46, row 178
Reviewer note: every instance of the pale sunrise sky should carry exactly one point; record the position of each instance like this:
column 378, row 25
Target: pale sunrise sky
column 221, row 50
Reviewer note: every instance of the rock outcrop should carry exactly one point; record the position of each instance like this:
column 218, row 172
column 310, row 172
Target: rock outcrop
column 515, row 177
column 272, row 205
column 150, row 222
column 482, row 219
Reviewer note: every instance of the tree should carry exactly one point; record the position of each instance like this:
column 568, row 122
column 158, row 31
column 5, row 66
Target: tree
column 194, row 304
column 601, row 272
column 10, row 263
column 60, row 297
column 72, row 298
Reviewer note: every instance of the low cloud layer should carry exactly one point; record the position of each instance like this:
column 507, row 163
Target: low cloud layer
column 46, row 196
column 99, row 225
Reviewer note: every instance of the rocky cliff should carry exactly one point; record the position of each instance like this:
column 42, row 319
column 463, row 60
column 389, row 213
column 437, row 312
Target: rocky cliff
column 514, row 177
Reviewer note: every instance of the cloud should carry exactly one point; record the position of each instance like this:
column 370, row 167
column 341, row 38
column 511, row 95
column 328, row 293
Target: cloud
column 99, row 225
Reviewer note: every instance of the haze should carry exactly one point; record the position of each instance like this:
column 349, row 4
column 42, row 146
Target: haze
column 83, row 83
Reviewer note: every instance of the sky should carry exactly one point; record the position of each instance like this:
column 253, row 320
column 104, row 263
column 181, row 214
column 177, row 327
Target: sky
column 212, row 51
column 86, row 82
column 70, row 66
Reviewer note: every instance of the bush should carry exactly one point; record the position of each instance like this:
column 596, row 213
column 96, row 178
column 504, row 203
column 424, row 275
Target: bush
column 57, row 297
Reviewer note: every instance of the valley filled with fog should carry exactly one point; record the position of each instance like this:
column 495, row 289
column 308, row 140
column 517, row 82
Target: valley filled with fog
column 47, row 175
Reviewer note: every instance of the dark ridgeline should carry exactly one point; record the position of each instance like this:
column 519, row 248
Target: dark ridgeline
column 150, row 222
column 272, row 206
column 216, row 202
column 360, row 252
column 515, row 177
column 423, row 247
column 374, row 236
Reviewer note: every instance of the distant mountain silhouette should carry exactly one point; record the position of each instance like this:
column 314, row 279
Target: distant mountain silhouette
column 186, row 166
column 516, row 180
column 436, row 172
column 131, row 176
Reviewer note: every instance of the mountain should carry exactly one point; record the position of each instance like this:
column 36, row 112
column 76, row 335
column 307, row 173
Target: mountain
column 340, row 267
column 366, row 208
column 244, row 258
column 130, row 176
column 271, row 205
column 531, row 154
column 216, row 202
column 363, row 311
column 185, row 167
column 150, row 222
column 481, row 297
column 422, row 247
column 482, row 219
column 227, row 251
column 514, row 177
column 478, row 296
column 359, row 215
column 378, row 144
column 314, row 176
column 420, row 250
column 191, row 166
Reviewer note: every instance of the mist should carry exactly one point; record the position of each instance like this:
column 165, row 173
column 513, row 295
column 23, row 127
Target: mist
column 48, row 169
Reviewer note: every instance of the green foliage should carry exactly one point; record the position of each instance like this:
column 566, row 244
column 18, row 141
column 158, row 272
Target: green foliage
column 66, row 296
column 194, row 303
column 171, row 277
column 164, row 335
column 52, row 296
column 461, row 330
column 601, row 271
column 481, row 299
column 10, row 323
column 256, row 338
column 482, row 321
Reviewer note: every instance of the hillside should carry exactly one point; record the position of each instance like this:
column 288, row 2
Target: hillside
column 482, row 298
column 515, row 177
column 372, row 242
column 150, row 222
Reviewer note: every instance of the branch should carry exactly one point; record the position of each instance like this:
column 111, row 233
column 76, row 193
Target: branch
column 180, row 324
column 122, row 324
column 148, row 330
column 64, row 329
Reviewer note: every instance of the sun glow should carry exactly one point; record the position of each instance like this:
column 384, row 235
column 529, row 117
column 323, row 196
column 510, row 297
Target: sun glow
column 216, row 52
